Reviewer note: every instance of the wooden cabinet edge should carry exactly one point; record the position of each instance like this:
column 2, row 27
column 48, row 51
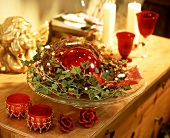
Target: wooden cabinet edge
column 133, row 106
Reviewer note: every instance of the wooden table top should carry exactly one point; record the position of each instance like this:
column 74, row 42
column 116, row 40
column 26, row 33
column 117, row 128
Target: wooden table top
column 152, row 68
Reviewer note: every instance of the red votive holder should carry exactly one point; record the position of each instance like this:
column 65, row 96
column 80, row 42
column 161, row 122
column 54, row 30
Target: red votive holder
column 18, row 104
column 40, row 117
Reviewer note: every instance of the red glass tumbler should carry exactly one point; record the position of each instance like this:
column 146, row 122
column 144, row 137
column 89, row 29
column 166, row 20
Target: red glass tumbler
column 125, row 43
column 18, row 104
column 40, row 117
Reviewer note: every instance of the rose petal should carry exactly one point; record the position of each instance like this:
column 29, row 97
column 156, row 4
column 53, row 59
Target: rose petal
column 89, row 125
column 82, row 111
column 80, row 121
column 90, row 116
column 92, row 110
column 96, row 119
column 66, row 123
column 84, row 118
column 66, row 130
column 72, row 127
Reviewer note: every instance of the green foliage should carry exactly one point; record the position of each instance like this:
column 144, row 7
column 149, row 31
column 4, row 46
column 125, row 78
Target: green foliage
column 77, row 82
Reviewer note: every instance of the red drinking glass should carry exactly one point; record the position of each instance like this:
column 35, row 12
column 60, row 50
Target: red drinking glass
column 125, row 43
column 146, row 24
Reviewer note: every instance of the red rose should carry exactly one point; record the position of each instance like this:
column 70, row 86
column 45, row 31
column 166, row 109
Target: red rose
column 87, row 117
column 65, row 123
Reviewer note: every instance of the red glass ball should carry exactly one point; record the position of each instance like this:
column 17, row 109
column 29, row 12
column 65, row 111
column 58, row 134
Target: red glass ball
column 74, row 56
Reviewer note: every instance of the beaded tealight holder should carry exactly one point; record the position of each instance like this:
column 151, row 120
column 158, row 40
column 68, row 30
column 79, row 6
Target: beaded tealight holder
column 40, row 117
column 17, row 105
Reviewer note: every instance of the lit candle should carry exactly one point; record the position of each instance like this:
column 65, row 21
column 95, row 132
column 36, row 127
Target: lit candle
column 109, row 16
column 132, row 24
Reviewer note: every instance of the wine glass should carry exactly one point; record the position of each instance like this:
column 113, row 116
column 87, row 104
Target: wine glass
column 83, row 5
column 125, row 43
column 146, row 24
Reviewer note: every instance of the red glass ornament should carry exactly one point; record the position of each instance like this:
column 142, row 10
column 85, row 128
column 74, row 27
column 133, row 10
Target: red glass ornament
column 40, row 117
column 74, row 56
column 18, row 104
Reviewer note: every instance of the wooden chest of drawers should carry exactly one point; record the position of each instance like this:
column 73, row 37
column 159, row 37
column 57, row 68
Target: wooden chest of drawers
column 144, row 117
column 140, row 117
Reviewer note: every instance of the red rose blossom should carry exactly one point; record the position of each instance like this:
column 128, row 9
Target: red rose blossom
column 87, row 117
column 65, row 123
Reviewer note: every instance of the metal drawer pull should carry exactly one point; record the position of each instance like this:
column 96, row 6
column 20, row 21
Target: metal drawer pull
column 163, row 84
column 112, row 133
column 132, row 135
column 159, row 120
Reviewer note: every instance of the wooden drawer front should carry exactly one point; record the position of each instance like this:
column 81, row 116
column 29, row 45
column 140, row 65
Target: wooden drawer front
column 120, row 126
column 154, row 114
column 126, row 129
column 143, row 119
column 131, row 126
column 163, row 86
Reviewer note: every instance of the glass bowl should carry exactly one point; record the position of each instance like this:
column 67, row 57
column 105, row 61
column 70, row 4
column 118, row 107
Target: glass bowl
column 85, row 103
column 91, row 75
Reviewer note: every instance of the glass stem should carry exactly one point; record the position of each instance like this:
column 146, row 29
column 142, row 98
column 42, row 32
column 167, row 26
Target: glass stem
column 144, row 47
column 83, row 5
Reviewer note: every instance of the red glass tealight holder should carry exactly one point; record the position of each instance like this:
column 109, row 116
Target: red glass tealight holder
column 18, row 104
column 40, row 117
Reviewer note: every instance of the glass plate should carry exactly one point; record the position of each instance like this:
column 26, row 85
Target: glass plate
column 80, row 103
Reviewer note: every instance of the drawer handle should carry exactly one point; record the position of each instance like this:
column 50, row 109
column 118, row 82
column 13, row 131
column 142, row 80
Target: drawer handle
column 163, row 84
column 112, row 133
column 132, row 135
column 159, row 120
